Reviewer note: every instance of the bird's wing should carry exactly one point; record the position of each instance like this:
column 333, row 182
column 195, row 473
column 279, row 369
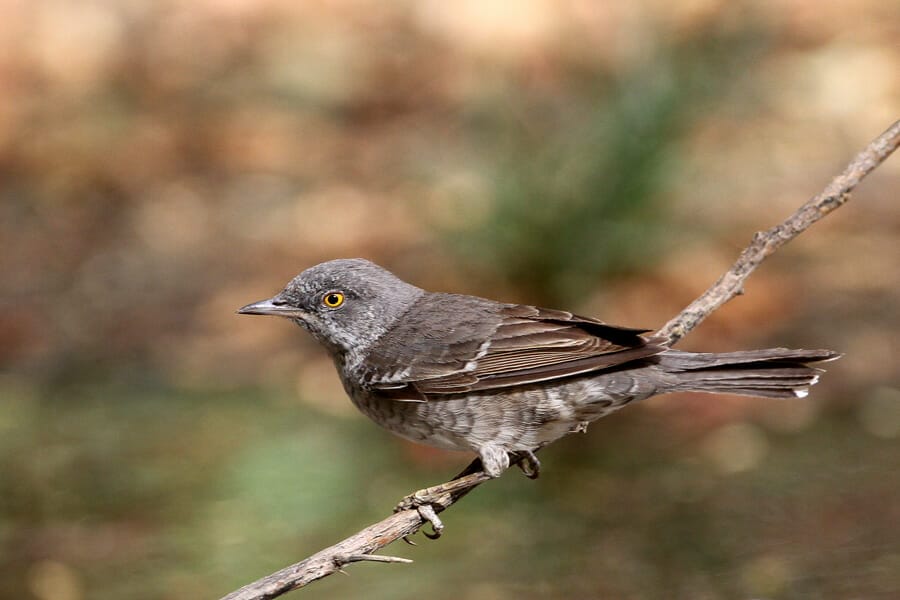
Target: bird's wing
column 500, row 346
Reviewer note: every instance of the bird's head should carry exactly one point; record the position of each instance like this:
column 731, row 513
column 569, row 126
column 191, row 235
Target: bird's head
column 346, row 304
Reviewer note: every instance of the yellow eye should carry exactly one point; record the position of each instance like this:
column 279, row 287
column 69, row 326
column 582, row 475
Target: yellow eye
column 333, row 299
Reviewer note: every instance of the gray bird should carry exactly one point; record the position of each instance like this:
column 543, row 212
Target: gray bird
column 467, row 373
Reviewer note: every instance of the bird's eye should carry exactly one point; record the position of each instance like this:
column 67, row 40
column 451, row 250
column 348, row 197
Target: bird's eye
column 333, row 299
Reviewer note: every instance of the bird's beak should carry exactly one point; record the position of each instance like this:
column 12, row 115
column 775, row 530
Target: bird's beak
column 273, row 306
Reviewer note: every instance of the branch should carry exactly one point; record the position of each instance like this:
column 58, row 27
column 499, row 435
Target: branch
column 764, row 243
column 361, row 545
column 403, row 523
column 356, row 547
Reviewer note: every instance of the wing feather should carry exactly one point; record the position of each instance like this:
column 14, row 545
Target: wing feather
column 491, row 346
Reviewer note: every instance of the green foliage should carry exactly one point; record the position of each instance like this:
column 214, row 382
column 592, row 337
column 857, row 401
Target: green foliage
column 580, row 170
column 162, row 163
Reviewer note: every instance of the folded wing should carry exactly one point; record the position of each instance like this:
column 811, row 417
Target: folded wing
column 517, row 345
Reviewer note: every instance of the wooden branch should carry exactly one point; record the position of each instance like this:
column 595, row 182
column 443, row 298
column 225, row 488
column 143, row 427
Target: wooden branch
column 399, row 525
column 766, row 242
column 332, row 559
column 409, row 520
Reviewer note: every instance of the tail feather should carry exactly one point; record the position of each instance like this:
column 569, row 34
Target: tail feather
column 771, row 373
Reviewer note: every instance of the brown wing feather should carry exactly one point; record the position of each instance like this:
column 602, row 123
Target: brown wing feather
column 527, row 345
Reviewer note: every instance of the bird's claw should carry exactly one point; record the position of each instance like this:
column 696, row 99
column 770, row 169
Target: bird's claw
column 429, row 501
column 424, row 501
column 580, row 427
column 529, row 463
column 427, row 512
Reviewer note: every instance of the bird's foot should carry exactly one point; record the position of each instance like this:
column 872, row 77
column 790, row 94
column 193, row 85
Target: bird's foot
column 429, row 501
column 580, row 427
column 428, row 513
column 528, row 462
column 441, row 495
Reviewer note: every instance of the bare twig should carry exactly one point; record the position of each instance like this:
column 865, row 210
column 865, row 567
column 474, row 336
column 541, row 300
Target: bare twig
column 332, row 559
column 372, row 558
column 766, row 242
column 401, row 524
column 408, row 520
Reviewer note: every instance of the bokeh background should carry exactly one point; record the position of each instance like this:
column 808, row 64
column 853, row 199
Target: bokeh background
column 163, row 163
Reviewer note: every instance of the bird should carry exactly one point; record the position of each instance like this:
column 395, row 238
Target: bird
column 501, row 379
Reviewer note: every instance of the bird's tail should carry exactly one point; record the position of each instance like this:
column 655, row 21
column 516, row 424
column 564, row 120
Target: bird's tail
column 773, row 372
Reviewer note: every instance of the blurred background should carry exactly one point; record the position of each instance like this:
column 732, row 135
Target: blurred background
column 163, row 163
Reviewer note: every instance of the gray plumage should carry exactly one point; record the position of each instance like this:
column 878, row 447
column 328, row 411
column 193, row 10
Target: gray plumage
column 467, row 373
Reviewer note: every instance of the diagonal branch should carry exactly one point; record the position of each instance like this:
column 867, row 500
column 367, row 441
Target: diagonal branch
column 360, row 546
column 766, row 242
column 399, row 525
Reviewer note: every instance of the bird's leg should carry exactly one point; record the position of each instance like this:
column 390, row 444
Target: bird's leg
column 491, row 463
column 471, row 476
column 428, row 513
column 429, row 501
column 528, row 462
